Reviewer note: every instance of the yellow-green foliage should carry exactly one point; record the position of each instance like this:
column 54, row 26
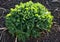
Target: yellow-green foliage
column 28, row 19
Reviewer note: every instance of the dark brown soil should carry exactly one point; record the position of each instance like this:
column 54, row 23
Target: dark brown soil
column 53, row 6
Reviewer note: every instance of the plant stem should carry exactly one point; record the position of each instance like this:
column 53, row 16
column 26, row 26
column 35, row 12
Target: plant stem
column 16, row 39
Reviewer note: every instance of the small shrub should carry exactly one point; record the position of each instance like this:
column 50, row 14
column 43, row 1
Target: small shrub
column 28, row 20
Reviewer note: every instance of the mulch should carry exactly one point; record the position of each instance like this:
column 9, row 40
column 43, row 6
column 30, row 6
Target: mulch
column 53, row 6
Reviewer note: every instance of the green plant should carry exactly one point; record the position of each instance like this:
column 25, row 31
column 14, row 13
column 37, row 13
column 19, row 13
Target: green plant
column 28, row 20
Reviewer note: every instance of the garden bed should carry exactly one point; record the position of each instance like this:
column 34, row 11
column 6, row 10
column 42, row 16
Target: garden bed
column 53, row 36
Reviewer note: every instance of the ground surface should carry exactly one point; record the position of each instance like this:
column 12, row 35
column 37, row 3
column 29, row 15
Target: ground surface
column 53, row 6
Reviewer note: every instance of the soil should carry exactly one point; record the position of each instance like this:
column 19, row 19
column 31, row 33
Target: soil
column 53, row 6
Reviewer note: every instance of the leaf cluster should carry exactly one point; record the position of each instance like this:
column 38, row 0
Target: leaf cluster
column 28, row 20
